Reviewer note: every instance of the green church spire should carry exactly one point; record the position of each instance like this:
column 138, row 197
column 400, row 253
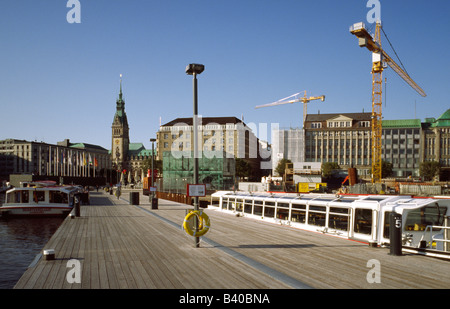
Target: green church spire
column 120, row 93
column 120, row 115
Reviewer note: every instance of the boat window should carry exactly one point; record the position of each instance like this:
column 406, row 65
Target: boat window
column 298, row 206
column 283, row 214
column 316, row 218
column 283, row 205
column 258, row 202
column 226, row 203
column 257, row 210
column 387, row 215
column 258, row 207
column 38, row 196
column 338, row 218
column 58, row 197
column 238, row 205
column 24, row 196
column 338, row 222
column 418, row 219
column 363, row 221
column 339, row 210
column 269, row 210
column 248, row 206
column 215, row 201
column 231, row 204
column 317, row 208
column 298, row 216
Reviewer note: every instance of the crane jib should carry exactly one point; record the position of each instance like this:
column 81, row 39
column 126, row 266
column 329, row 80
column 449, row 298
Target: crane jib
column 403, row 74
column 366, row 40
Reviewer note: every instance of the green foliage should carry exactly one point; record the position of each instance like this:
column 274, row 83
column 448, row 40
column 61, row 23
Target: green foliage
column 386, row 169
column 328, row 168
column 428, row 170
column 281, row 167
column 243, row 168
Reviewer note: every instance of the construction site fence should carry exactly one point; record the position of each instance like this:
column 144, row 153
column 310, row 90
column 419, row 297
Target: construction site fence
column 182, row 198
column 399, row 188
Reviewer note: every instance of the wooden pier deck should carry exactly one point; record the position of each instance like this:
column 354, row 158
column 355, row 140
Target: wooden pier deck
column 122, row 246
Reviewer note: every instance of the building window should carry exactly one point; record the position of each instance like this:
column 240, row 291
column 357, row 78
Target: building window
column 365, row 124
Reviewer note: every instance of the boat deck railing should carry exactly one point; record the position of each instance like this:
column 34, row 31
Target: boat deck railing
column 429, row 238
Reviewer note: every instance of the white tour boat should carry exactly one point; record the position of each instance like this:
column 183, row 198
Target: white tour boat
column 39, row 199
column 425, row 225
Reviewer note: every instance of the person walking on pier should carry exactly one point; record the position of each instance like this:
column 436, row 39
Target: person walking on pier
column 118, row 190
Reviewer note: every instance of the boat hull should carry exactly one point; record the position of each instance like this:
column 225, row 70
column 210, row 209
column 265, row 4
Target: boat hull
column 41, row 211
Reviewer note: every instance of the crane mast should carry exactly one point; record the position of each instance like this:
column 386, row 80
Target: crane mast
column 379, row 58
column 377, row 89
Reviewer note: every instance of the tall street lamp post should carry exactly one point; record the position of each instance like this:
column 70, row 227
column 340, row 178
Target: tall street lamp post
column 194, row 69
column 152, row 183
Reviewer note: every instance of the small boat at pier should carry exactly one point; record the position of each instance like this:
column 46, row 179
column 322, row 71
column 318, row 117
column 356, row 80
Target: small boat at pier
column 43, row 199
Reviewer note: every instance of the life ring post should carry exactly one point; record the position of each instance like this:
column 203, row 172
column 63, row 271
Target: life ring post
column 201, row 223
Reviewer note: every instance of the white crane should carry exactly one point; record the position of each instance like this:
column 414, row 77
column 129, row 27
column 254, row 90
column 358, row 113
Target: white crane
column 294, row 99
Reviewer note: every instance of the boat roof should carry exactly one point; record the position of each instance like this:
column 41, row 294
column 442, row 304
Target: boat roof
column 48, row 187
column 390, row 201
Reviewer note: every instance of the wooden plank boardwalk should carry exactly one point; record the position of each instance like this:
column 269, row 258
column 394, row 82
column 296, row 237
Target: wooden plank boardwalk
column 121, row 246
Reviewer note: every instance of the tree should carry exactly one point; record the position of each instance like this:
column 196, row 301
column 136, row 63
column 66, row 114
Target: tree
column 281, row 167
column 243, row 168
column 386, row 169
column 428, row 170
column 328, row 168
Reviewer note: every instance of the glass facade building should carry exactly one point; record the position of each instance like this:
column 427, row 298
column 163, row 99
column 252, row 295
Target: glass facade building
column 216, row 169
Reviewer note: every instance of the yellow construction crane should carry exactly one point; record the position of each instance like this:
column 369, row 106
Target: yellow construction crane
column 294, row 99
column 379, row 59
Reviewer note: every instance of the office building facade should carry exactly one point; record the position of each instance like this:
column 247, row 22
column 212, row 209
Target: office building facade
column 62, row 159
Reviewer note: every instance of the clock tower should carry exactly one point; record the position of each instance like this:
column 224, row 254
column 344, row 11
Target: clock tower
column 120, row 135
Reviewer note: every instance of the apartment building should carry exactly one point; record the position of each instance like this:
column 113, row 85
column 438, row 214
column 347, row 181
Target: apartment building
column 217, row 136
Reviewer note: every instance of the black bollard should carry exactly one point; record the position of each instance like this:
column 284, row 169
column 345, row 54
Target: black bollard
column 395, row 234
column 154, row 203
column 77, row 206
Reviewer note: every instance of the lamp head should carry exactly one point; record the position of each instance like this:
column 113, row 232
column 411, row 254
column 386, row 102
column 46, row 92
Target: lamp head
column 194, row 68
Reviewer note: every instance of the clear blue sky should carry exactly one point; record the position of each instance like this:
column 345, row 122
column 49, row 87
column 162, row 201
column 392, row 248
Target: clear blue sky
column 61, row 80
